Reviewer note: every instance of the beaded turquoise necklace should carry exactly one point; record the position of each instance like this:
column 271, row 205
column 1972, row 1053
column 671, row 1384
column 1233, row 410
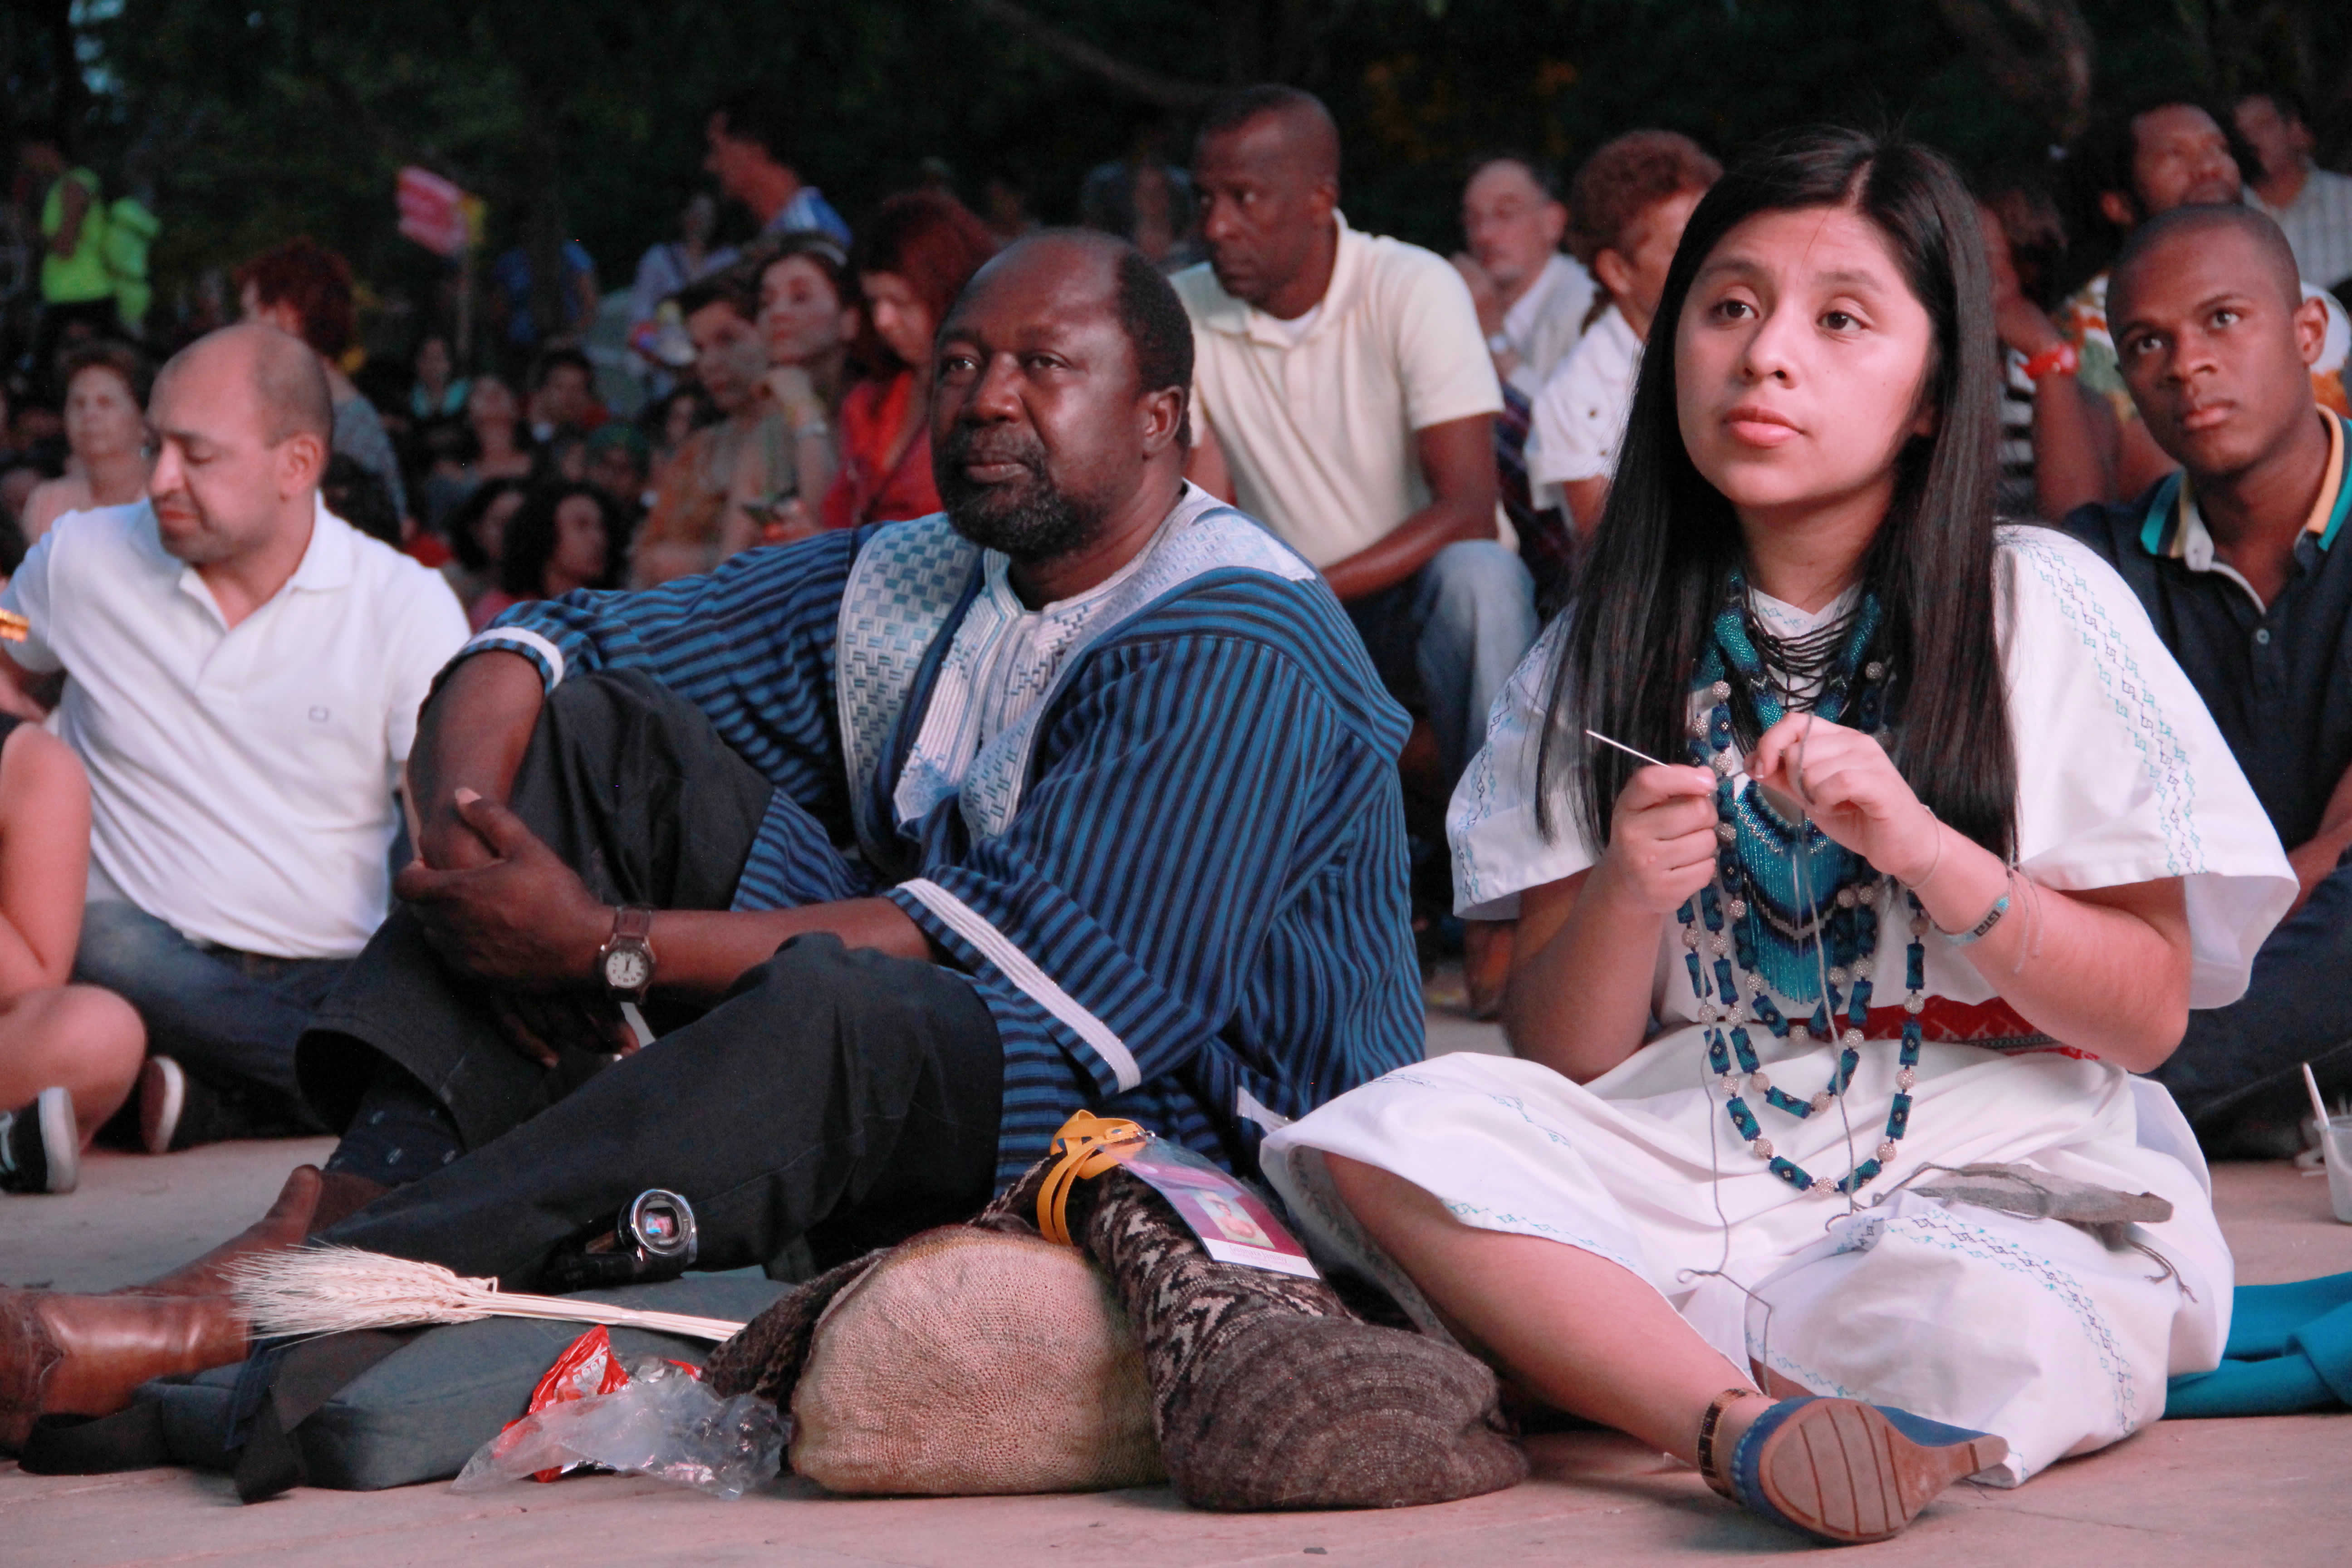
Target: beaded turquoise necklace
column 1782, row 886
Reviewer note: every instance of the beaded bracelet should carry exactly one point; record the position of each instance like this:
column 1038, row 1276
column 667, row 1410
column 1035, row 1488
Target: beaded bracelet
column 1976, row 932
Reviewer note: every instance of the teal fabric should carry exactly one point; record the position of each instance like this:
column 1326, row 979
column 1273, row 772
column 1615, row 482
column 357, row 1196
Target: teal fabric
column 419, row 1414
column 2290, row 1350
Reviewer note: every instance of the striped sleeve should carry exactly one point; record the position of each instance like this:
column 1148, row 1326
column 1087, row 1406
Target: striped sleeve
column 751, row 644
column 1158, row 842
column 678, row 630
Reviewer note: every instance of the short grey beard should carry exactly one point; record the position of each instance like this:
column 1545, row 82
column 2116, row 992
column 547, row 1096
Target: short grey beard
column 1042, row 525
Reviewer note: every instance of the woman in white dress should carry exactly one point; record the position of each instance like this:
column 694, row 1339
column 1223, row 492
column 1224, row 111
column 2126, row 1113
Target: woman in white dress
column 1960, row 850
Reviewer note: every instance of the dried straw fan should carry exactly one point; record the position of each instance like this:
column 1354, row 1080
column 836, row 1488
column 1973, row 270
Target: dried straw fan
column 333, row 1289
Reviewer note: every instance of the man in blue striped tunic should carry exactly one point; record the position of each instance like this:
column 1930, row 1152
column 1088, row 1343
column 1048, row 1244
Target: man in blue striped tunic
column 899, row 845
column 906, row 841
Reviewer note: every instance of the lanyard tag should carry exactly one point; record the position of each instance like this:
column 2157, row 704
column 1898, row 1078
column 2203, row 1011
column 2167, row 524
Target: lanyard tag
column 1234, row 1223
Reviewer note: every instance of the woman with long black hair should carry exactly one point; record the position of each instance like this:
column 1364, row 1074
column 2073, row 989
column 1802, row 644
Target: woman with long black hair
column 1941, row 849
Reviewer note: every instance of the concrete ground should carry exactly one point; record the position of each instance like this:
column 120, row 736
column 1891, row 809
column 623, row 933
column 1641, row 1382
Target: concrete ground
column 2244, row 1491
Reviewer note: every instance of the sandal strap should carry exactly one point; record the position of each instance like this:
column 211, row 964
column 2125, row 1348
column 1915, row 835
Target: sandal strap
column 1710, row 1470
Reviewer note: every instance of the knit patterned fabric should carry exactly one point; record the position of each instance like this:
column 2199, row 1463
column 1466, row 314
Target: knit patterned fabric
column 1269, row 1395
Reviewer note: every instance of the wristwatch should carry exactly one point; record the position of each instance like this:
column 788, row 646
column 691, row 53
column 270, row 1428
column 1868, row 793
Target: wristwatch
column 626, row 959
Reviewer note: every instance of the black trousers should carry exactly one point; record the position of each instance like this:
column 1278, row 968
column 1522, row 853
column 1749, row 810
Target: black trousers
column 847, row 1097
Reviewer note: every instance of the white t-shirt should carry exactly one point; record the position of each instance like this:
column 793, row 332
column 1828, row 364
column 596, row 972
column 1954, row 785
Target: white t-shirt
column 1581, row 415
column 1318, row 434
column 1545, row 324
column 241, row 778
column 1294, row 331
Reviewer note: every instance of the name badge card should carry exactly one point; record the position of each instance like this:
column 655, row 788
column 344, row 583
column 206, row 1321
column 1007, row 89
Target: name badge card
column 1233, row 1223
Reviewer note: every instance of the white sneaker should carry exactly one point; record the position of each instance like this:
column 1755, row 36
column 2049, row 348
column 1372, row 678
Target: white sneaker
column 40, row 1146
column 162, row 1096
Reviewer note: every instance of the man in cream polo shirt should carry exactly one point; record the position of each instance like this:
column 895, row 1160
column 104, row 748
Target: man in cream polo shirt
column 244, row 672
column 1344, row 396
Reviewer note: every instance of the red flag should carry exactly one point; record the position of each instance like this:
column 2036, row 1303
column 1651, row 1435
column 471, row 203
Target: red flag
column 432, row 211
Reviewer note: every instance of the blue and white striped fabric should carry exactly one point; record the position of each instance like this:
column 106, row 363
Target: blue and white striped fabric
column 1196, row 915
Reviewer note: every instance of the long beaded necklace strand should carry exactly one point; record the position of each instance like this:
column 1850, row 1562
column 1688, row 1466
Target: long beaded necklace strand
column 1742, row 920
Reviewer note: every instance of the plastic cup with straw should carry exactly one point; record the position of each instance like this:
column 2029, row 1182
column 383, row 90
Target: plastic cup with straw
column 2336, row 1146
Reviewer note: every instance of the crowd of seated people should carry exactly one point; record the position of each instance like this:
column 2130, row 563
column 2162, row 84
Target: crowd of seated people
column 1072, row 679
column 1439, row 443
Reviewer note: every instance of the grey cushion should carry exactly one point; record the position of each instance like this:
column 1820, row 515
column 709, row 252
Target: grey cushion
column 419, row 1414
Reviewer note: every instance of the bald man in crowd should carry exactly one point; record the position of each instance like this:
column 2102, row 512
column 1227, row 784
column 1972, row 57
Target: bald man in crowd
column 1345, row 396
column 2239, row 560
column 246, row 669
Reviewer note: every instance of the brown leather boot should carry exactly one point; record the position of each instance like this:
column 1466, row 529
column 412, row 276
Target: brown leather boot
column 287, row 1223
column 85, row 1355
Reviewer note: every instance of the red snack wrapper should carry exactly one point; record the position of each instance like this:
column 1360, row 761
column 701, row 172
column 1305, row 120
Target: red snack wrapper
column 587, row 1366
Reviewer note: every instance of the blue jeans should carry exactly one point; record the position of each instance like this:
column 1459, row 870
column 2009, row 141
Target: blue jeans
column 1447, row 637
column 2291, row 1014
column 231, row 1018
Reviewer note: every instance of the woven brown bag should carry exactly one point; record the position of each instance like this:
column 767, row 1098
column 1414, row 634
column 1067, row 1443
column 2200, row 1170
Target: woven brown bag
column 970, row 1362
column 983, row 1358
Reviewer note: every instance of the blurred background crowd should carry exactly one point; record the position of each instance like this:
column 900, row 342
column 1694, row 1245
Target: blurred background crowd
column 663, row 339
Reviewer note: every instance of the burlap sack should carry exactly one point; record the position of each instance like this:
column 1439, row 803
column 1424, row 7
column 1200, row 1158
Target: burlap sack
column 971, row 1362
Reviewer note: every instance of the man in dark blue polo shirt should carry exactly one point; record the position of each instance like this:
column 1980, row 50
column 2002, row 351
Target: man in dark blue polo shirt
column 2238, row 559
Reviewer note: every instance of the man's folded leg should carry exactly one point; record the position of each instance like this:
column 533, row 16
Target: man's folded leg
column 844, row 1095
column 632, row 787
column 2245, row 1060
column 841, row 1094
column 1474, row 606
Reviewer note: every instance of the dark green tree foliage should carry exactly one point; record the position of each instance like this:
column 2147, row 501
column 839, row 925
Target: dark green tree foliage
column 260, row 118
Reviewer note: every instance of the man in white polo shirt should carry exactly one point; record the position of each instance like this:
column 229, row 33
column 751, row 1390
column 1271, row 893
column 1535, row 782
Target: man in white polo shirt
column 246, row 669
column 1343, row 395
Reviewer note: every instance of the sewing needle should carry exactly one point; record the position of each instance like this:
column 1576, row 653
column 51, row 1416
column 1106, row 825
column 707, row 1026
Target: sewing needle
column 1639, row 756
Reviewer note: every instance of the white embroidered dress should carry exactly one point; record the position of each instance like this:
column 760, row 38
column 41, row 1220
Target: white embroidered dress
column 2032, row 1330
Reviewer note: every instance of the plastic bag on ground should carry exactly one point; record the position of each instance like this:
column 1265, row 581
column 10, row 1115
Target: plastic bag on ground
column 664, row 1423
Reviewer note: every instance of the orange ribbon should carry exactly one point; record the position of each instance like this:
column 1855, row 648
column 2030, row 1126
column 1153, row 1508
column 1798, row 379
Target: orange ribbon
column 1088, row 1145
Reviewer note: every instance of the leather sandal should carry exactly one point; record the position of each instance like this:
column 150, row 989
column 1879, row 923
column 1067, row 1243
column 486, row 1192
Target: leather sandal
column 1839, row 1471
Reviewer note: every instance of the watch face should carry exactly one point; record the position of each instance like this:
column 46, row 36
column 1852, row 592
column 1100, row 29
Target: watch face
column 627, row 969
